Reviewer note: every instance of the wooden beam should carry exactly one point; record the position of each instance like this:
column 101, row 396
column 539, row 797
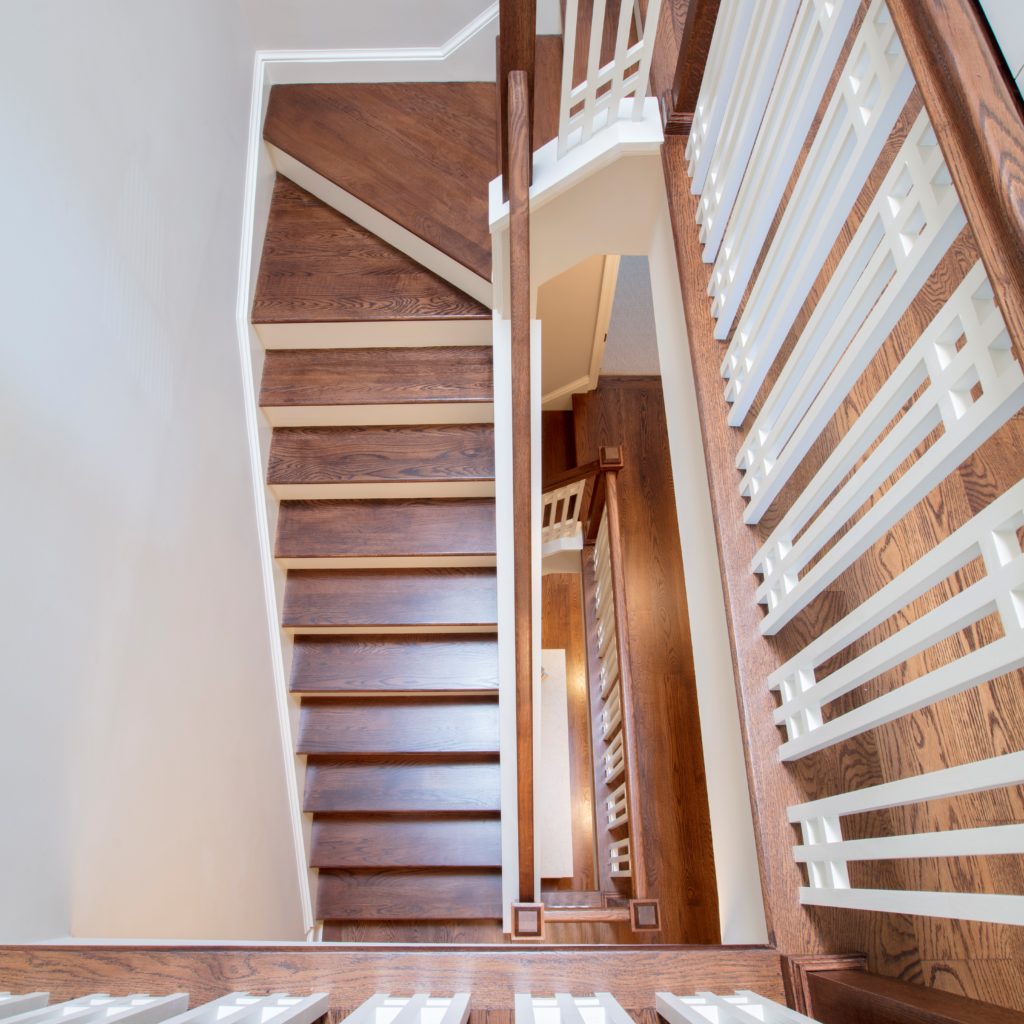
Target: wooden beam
column 679, row 105
column 858, row 997
column 520, row 158
column 517, row 26
column 976, row 112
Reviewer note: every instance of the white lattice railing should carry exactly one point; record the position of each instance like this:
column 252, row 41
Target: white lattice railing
column 562, row 1008
column 422, row 1008
column 739, row 1008
column 611, row 91
column 561, row 528
column 950, row 386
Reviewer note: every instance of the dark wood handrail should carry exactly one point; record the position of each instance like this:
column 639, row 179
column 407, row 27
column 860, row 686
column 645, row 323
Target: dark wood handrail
column 609, row 458
column 976, row 112
column 520, row 158
column 638, row 865
column 517, row 45
column 695, row 42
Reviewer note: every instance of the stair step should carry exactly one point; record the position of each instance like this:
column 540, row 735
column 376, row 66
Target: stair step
column 454, row 460
column 377, row 376
column 326, row 664
column 420, row 154
column 406, row 843
column 362, row 598
column 564, row 898
column 449, row 725
column 397, row 895
column 402, row 785
column 453, row 531
column 319, row 268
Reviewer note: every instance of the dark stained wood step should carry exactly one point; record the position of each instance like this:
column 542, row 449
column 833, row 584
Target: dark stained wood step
column 446, row 933
column 318, row 265
column 394, row 663
column 381, row 842
column 402, row 785
column 377, row 376
column 390, row 597
column 383, row 527
column 451, row 725
column 398, row 895
column 421, row 154
column 402, row 454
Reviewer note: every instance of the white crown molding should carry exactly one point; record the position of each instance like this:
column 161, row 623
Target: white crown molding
column 468, row 56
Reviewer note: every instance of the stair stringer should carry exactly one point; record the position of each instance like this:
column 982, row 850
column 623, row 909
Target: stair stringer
column 383, row 227
column 602, row 197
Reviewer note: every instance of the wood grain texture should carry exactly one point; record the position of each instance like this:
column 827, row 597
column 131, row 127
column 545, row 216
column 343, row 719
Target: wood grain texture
column 402, row 785
column 408, row 895
column 394, row 663
column 976, row 110
column 518, row 178
column 376, row 376
column 857, row 997
column 393, row 527
column 464, row 725
column 389, row 597
column 406, row 842
column 310, row 455
column 319, row 266
column 698, row 28
column 547, row 89
column 352, row 975
column 421, row 153
column 517, row 53
column 678, row 857
column 445, row 933
column 562, row 628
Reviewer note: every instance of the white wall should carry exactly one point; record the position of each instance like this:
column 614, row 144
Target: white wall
column 1006, row 17
column 141, row 784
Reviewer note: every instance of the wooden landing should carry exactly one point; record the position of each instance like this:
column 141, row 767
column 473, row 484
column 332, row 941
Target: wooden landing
column 421, row 154
column 318, row 266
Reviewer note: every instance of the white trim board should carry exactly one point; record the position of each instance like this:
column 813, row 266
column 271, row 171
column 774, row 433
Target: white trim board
column 383, row 227
column 375, row 333
column 386, row 489
column 378, row 415
column 390, row 562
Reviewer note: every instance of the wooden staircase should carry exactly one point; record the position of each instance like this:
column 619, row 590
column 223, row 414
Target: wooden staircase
column 377, row 383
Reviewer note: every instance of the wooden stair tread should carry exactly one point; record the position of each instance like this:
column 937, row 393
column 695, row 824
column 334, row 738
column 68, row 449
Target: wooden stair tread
column 451, row 725
column 406, row 843
column 390, row 597
column 421, row 154
column 319, row 266
column 377, row 376
column 408, row 895
column 396, row 527
column 547, row 87
column 402, row 785
column 401, row 454
column 403, row 663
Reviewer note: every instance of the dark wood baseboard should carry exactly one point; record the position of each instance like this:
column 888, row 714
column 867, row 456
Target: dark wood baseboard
column 796, row 972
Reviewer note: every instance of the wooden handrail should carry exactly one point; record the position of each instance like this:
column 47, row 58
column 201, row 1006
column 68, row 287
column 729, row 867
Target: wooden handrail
column 520, row 158
column 517, row 43
column 976, row 113
column 638, row 866
column 679, row 105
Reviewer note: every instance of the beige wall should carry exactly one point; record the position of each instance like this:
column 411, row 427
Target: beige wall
column 142, row 790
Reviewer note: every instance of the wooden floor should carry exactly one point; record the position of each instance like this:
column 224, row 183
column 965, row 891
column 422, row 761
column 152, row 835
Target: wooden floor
column 629, row 411
column 982, row 961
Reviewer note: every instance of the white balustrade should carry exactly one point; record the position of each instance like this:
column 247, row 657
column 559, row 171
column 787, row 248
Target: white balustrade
column 561, row 1008
column 422, row 1008
column 913, row 220
column 871, row 92
column 243, row 1008
column 814, row 45
column 616, row 807
column 609, row 92
column 728, row 42
column 10, row 1005
column 104, row 1009
column 614, row 762
column 762, row 52
column 561, row 528
column 618, row 856
column 994, row 536
column 611, row 713
column 742, row 1007
column 826, row 853
column 965, row 350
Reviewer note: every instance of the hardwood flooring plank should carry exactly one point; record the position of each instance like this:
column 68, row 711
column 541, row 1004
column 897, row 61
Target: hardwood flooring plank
column 394, row 663
column 319, row 266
